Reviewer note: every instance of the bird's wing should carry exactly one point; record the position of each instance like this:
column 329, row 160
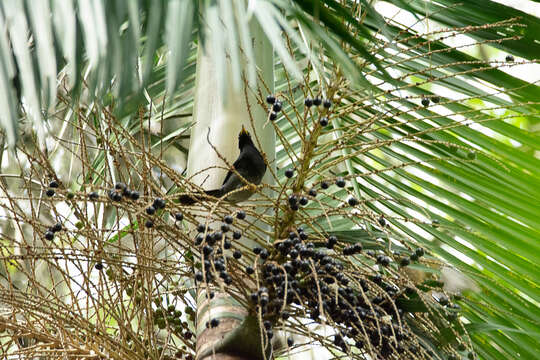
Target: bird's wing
column 241, row 163
column 227, row 177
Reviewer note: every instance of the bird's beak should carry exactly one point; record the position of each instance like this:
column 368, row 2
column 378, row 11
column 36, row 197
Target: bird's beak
column 244, row 131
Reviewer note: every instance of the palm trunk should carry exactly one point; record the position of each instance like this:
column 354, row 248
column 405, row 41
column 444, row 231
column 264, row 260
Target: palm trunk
column 219, row 119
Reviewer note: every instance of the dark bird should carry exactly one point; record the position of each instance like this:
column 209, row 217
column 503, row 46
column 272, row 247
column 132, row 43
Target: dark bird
column 250, row 165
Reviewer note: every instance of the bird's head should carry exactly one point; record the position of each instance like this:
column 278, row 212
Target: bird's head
column 244, row 138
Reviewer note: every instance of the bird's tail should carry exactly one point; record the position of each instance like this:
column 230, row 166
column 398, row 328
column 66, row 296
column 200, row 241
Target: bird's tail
column 190, row 199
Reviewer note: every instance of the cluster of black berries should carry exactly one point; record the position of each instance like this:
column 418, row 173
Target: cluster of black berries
column 352, row 249
column 308, row 102
column 340, row 182
column 317, row 101
column 119, row 192
column 296, row 201
column 49, row 234
column 52, row 185
column 213, row 243
column 418, row 253
column 297, row 272
column 383, row 260
column 276, row 106
column 158, row 204
column 425, row 101
column 327, row 104
column 213, row 323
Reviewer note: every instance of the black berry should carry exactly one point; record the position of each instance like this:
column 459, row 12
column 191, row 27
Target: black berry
column 237, row 254
column 323, row 121
column 273, row 116
column 120, row 186
column 509, row 58
column 308, row 102
column 285, row 315
column 324, row 185
column 425, row 101
column 443, row 300
column 134, row 195
column 159, row 203
column 207, row 250
column 93, row 195
column 150, row 210
column 332, row 239
column 57, row 227
column 352, row 201
column 327, row 103
column 340, row 182
column 49, row 192
column 54, row 184
column 405, row 261
column 312, row 192
column 293, row 199
column 277, row 106
column 179, row 216
column 49, row 235
column 270, row 99
column 99, row 266
column 241, row 215
column 289, row 173
column 149, row 223
column 317, row 101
